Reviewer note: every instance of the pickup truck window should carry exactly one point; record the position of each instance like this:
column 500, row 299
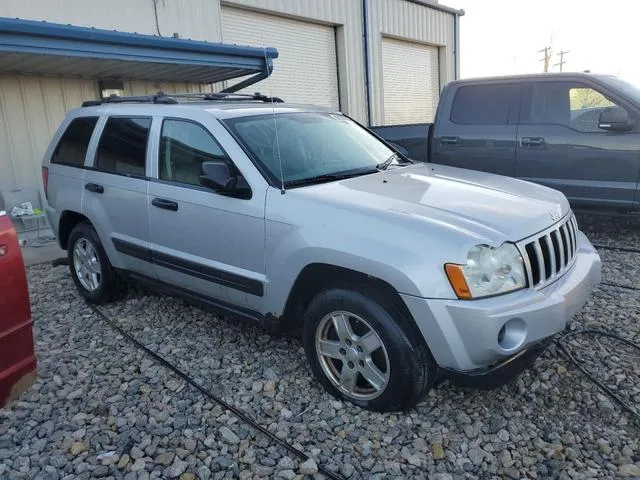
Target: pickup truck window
column 573, row 105
column 309, row 145
column 184, row 145
column 486, row 105
column 72, row 148
column 123, row 146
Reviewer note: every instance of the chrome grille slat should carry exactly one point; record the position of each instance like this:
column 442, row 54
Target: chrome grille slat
column 540, row 261
column 556, row 233
column 552, row 255
column 549, row 254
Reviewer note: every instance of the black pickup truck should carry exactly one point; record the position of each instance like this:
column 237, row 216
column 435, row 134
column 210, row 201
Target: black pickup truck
column 576, row 132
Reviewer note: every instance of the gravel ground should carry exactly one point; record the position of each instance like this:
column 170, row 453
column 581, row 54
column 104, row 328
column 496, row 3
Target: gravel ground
column 101, row 408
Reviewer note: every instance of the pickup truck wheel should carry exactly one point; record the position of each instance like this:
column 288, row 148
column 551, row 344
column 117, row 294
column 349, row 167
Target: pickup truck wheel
column 91, row 270
column 366, row 351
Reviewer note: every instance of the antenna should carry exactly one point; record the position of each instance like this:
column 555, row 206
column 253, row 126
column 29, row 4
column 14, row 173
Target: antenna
column 275, row 122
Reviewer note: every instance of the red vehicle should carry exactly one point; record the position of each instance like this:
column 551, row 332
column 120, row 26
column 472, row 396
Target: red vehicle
column 17, row 355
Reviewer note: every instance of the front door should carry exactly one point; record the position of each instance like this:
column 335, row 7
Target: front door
column 561, row 146
column 204, row 242
column 115, row 193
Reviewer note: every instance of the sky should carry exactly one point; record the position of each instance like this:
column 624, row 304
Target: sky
column 502, row 37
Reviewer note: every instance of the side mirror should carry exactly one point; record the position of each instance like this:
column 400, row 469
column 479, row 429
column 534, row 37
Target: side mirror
column 217, row 176
column 615, row 119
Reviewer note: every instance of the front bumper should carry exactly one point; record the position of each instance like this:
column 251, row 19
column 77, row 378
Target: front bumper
column 464, row 335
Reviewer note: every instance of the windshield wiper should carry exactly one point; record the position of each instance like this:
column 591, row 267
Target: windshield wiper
column 329, row 177
column 384, row 165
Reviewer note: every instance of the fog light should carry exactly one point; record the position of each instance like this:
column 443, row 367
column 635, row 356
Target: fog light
column 512, row 334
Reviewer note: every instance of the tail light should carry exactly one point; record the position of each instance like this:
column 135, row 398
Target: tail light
column 45, row 181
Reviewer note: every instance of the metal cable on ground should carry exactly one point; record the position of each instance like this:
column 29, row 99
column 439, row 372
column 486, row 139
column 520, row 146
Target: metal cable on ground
column 244, row 417
column 616, row 249
column 560, row 342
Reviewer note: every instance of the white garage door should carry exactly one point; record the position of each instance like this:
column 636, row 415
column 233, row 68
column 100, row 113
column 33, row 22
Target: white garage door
column 410, row 73
column 305, row 70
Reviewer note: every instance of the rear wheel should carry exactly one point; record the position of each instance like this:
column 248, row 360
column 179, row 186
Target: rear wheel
column 366, row 351
column 91, row 270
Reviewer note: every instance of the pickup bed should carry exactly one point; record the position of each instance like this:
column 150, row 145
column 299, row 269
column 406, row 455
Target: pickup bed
column 574, row 132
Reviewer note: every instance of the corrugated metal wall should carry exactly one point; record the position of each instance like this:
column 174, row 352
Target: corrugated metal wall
column 31, row 109
column 410, row 21
column 196, row 19
column 346, row 16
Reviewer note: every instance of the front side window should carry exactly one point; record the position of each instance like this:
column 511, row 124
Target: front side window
column 295, row 147
column 72, row 148
column 123, row 146
column 486, row 105
column 569, row 104
column 184, row 146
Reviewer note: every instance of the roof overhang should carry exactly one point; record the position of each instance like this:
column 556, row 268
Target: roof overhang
column 42, row 48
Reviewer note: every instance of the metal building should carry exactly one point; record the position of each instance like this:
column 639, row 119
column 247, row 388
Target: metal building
column 380, row 61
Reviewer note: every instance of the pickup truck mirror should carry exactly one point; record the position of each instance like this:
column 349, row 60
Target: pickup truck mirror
column 216, row 175
column 615, row 119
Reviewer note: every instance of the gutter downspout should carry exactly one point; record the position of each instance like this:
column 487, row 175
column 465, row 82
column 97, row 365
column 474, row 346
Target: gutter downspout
column 456, row 47
column 367, row 73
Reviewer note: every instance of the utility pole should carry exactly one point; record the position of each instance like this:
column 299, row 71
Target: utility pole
column 562, row 61
column 547, row 57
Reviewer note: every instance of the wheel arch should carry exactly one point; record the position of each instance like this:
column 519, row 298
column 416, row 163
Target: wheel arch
column 68, row 220
column 316, row 277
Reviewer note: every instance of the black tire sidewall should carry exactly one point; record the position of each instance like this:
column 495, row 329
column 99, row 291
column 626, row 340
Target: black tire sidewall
column 105, row 291
column 407, row 364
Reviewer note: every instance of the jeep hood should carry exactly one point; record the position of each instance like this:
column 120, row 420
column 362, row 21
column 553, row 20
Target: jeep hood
column 491, row 206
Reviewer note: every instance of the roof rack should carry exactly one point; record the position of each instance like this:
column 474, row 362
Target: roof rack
column 170, row 98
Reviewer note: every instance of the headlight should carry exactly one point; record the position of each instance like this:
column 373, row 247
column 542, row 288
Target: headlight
column 488, row 271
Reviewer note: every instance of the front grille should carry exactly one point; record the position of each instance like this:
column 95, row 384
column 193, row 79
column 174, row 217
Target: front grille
column 549, row 254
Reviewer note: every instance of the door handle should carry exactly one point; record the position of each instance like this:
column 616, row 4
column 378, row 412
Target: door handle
column 449, row 140
column 94, row 187
column 532, row 141
column 165, row 204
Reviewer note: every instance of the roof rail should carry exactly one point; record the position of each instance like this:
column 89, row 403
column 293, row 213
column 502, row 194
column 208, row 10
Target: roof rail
column 170, row 98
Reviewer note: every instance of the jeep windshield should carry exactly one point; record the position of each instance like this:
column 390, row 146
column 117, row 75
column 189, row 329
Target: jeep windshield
column 305, row 148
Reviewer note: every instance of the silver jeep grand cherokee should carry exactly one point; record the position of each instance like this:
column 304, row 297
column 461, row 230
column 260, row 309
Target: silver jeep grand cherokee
column 297, row 216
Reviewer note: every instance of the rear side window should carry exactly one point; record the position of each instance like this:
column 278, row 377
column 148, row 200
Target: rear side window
column 497, row 104
column 123, row 146
column 72, row 148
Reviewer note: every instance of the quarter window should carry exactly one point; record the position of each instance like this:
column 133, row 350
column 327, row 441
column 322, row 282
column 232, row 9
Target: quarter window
column 497, row 104
column 183, row 147
column 72, row 148
column 572, row 105
column 123, row 146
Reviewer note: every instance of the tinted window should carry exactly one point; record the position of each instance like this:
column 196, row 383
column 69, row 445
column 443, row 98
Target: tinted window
column 74, row 143
column 486, row 105
column 183, row 147
column 123, row 145
column 563, row 103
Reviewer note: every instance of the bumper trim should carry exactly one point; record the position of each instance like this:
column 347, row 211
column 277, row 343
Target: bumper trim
column 499, row 374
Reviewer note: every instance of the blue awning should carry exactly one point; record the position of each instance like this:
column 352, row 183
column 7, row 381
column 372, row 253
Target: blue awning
column 42, row 48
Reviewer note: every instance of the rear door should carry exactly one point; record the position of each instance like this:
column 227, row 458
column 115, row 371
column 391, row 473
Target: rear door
column 476, row 127
column 561, row 146
column 115, row 192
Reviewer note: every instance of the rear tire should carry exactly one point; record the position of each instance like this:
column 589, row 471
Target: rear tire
column 364, row 348
column 95, row 278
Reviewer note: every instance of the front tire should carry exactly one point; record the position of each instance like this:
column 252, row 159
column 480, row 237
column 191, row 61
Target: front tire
column 363, row 348
column 90, row 268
